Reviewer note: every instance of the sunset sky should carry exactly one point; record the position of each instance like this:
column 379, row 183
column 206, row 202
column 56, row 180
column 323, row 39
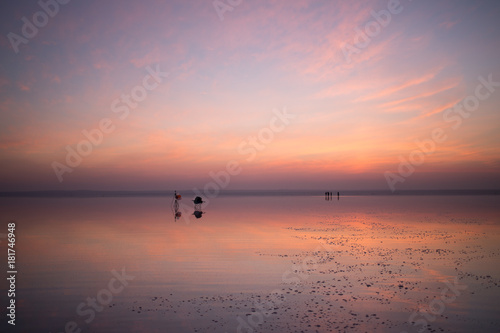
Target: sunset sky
column 358, row 105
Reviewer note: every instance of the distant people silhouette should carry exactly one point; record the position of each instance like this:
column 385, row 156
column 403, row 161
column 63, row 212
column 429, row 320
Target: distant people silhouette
column 329, row 196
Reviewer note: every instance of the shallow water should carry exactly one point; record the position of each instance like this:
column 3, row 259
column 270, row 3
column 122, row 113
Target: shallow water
column 256, row 264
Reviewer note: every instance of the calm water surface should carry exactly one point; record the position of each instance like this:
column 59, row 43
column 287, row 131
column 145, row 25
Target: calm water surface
column 256, row 264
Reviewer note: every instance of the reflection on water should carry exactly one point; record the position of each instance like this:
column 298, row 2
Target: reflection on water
column 263, row 264
column 178, row 208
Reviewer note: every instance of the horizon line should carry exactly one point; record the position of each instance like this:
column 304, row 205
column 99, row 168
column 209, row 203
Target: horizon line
column 309, row 192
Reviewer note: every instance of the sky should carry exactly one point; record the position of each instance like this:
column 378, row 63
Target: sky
column 237, row 94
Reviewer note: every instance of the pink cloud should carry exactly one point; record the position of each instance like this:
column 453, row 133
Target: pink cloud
column 23, row 87
column 150, row 58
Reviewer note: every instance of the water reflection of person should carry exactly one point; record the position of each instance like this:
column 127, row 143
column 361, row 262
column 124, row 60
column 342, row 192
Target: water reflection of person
column 175, row 206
